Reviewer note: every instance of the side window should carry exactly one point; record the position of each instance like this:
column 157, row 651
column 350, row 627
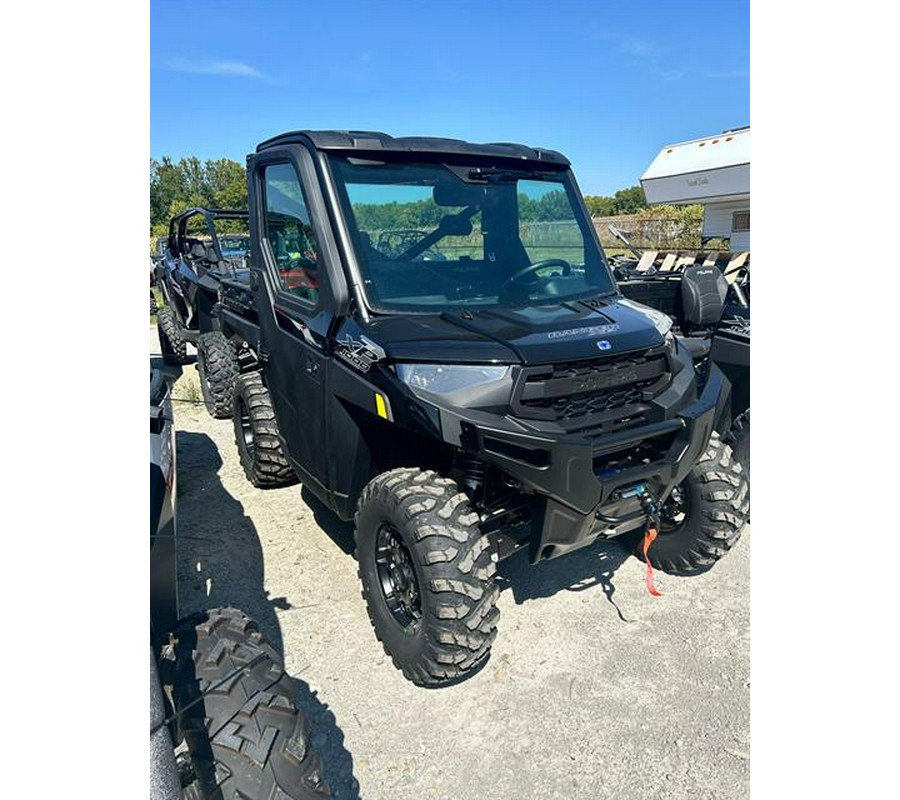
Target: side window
column 290, row 234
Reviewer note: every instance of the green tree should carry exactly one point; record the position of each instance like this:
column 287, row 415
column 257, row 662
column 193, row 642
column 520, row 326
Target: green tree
column 196, row 181
column 227, row 182
column 174, row 187
column 627, row 201
column 669, row 227
column 599, row 206
column 166, row 185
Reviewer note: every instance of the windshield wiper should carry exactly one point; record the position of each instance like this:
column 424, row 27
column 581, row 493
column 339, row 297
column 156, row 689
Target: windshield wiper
column 595, row 298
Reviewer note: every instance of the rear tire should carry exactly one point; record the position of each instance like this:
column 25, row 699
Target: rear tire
column 714, row 506
column 218, row 368
column 427, row 576
column 174, row 348
column 739, row 440
column 245, row 737
column 256, row 435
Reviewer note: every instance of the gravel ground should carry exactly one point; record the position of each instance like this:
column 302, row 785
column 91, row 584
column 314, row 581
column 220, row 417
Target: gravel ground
column 594, row 688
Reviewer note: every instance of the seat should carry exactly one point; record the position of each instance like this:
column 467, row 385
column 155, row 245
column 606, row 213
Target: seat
column 667, row 263
column 646, row 261
column 703, row 291
column 684, row 261
column 211, row 257
column 733, row 269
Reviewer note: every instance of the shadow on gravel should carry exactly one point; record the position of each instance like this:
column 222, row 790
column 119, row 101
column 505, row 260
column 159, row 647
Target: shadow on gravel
column 220, row 563
column 341, row 533
column 328, row 740
column 220, row 560
column 575, row 572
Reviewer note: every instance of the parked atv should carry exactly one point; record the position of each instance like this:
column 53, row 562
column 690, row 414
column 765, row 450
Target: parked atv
column 504, row 398
column 189, row 277
column 710, row 305
column 218, row 689
column 394, row 243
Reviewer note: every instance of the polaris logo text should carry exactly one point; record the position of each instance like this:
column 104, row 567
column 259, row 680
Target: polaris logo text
column 593, row 330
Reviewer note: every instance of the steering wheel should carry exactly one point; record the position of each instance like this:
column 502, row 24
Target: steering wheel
column 538, row 265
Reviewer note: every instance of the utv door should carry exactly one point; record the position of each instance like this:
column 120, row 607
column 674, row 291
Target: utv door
column 294, row 271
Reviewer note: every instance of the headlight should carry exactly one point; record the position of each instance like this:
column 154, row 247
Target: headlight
column 449, row 378
column 662, row 322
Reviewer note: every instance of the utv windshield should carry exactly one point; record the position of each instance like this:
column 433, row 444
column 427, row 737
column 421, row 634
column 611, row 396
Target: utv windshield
column 434, row 235
column 234, row 244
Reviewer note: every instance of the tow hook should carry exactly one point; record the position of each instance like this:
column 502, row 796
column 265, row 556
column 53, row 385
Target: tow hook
column 650, row 507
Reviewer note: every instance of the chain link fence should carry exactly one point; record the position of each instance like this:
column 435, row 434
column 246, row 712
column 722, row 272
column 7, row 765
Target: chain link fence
column 654, row 233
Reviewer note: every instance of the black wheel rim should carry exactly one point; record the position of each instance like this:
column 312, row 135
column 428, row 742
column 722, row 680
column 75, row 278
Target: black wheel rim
column 675, row 510
column 246, row 427
column 397, row 577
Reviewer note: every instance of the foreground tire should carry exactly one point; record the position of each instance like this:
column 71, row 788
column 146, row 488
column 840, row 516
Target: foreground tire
column 245, row 737
column 256, row 435
column 739, row 440
column 704, row 516
column 174, row 348
column 427, row 575
column 218, row 368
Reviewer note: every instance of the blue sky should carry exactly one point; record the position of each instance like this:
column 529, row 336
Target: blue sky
column 608, row 84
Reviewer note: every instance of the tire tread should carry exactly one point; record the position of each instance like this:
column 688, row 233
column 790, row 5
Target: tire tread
column 246, row 737
column 218, row 368
column 456, row 564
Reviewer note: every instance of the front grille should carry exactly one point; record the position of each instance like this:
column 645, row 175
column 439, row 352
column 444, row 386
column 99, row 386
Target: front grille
column 607, row 393
column 580, row 404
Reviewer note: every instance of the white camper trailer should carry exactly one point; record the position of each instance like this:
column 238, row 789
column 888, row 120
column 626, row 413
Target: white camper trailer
column 714, row 171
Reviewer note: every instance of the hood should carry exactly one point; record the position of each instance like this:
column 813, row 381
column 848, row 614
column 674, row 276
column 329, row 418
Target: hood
column 539, row 334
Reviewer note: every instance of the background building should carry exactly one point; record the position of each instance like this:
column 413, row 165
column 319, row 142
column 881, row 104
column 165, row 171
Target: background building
column 714, row 171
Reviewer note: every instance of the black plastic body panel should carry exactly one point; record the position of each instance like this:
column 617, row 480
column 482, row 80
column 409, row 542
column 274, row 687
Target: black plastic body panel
column 563, row 469
column 377, row 141
column 163, row 490
column 663, row 295
column 730, row 351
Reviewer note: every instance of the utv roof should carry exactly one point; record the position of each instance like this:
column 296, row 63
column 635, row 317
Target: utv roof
column 375, row 141
column 215, row 213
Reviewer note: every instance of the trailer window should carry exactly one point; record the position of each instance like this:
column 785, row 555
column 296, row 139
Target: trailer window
column 289, row 232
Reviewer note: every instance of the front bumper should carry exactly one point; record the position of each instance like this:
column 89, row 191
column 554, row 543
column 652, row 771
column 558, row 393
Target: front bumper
column 584, row 484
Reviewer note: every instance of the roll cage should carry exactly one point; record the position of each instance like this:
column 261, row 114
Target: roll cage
column 178, row 238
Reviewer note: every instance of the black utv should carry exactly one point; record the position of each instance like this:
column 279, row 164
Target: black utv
column 188, row 276
column 497, row 398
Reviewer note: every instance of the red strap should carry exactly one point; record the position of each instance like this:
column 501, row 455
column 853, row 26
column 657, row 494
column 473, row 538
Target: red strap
column 649, row 538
